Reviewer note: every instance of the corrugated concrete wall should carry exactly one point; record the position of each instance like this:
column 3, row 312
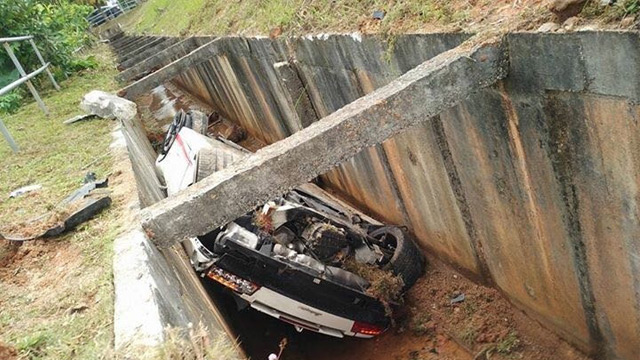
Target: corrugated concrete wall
column 531, row 186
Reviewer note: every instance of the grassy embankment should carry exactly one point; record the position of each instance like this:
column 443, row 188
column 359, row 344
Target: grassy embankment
column 57, row 294
column 295, row 17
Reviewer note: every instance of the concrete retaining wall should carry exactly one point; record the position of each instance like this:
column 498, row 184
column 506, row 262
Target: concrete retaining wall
column 531, row 185
column 156, row 289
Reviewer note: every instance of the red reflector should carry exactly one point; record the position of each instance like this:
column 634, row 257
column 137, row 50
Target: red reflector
column 366, row 329
column 231, row 281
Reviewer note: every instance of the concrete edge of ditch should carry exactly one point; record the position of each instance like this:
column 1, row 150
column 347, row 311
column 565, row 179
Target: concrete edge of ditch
column 149, row 297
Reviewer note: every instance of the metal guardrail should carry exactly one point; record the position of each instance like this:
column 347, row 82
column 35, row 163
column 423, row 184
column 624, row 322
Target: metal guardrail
column 24, row 78
column 127, row 5
column 103, row 16
column 18, row 38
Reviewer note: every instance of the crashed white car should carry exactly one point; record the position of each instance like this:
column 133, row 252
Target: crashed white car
column 288, row 258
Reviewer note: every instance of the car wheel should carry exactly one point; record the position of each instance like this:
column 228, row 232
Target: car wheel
column 407, row 261
column 212, row 160
column 199, row 122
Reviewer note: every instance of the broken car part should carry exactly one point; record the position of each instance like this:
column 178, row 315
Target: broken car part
column 75, row 209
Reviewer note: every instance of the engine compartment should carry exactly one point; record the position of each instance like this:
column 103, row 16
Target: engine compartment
column 306, row 234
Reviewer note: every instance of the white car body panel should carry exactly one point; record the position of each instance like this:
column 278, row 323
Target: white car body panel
column 300, row 315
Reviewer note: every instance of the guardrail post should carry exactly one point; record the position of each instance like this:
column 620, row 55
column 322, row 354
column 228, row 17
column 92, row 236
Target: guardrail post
column 32, row 88
column 5, row 133
column 35, row 48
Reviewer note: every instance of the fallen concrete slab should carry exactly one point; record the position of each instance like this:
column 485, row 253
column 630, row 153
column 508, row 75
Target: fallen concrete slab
column 170, row 71
column 108, row 106
column 418, row 95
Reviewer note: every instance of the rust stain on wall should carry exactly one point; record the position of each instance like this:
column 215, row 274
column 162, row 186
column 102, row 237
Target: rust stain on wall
column 534, row 270
column 608, row 178
column 423, row 182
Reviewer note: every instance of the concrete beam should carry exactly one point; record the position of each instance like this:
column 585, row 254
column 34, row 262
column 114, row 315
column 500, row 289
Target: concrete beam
column 123, row 41
column 149, row 52
column 158, row 60
column 421, row 93
column 135, row 52
column 197, row 56
column 134, row 45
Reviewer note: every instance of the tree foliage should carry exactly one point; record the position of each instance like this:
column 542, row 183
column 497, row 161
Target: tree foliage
column 59, row 28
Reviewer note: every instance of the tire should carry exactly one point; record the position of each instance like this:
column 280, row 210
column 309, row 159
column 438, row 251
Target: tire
column 207, row 163
column 199, row 122
column 407, row 261
column 212, row 160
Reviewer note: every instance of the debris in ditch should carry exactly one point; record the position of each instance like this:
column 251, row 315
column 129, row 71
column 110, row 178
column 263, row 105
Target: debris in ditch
column 506, row 346
column 75, row 209
column 24, row 190
column 234, row 133
column 384, row 285
column 422, row 324
column 282, row 346
column 458, row 299
column 78, row 118
column 275, row 32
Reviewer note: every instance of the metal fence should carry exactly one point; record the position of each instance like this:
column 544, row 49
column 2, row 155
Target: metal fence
column 24, row 78
column 106, row 13
column 127, row 5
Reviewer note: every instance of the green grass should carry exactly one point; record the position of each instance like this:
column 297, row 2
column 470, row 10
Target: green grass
column 254, row 17
column 621, row 9
column 53, row 154
column 54, row 276
column 37, row 318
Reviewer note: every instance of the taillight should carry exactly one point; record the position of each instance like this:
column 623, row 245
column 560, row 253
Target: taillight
column 231, row 281
column 366, row 329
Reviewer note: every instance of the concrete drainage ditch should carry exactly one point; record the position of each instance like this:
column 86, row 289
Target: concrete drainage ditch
column 529, row 185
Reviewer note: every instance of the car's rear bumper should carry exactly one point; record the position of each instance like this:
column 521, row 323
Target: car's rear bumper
column 300, row 315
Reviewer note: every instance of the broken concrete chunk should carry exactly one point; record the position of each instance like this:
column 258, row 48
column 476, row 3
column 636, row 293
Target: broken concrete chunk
column 108, row 106
column 548, row 27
